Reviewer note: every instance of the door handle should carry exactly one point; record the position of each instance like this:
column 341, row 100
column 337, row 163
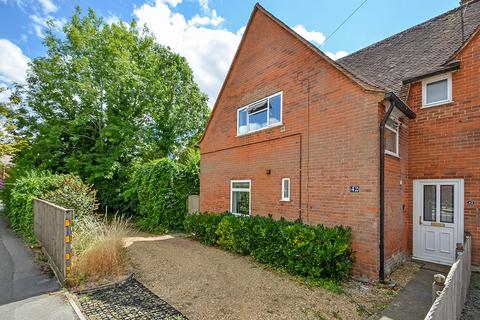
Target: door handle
column 419, row 219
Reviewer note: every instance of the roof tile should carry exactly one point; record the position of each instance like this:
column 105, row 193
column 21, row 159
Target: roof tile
column 418, row 50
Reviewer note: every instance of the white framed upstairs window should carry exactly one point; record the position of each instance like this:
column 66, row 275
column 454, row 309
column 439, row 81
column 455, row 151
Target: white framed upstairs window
column 437, row 90
column 285, row 189
column 392, row 138
column 240, row 196
column 261, row 114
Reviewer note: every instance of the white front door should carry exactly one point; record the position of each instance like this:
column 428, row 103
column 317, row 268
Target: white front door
column 437, row 219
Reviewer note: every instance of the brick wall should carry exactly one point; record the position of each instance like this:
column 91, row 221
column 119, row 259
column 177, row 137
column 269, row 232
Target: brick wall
column 444, row 141
column 396, row 215
column 330, row 131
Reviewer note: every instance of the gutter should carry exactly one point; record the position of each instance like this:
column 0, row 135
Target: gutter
column 395, row 102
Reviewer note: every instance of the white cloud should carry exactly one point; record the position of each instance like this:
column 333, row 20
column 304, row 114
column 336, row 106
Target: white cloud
column 40, row 24
column 13, row 63
column 204, row 5
column 111, row 19
column 172, row 3
column 208, row 49
column 336, row 55
column 313, row 36
column 213, row 20
column 48, row 6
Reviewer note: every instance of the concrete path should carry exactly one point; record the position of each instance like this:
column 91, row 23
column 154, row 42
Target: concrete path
column 415, row 299
column 23, row 286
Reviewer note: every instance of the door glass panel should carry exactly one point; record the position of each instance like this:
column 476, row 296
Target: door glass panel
column 446, row 204
column 429, row 202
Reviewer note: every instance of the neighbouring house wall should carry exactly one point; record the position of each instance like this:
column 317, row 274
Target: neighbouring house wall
column 396, row 217
column 329, row 138
column 444, row 141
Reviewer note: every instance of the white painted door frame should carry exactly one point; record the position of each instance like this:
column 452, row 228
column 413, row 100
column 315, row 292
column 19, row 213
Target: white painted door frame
column 429, row 237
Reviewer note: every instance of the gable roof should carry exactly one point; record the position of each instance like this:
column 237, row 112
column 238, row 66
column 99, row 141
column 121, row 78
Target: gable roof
column 356, row 78
column 420, row 50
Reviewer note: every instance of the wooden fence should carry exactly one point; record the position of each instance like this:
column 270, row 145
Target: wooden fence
column 449, row 304
column 53, row 230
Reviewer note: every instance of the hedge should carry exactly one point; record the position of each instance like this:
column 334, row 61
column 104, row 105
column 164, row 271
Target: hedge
column 315, row 252
column 63, row 189
column 158, row 191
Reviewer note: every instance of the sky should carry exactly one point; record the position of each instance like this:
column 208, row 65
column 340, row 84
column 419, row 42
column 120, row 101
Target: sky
column 207, row 32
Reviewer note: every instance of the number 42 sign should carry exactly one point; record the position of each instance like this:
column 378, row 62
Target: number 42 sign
column 355, row 189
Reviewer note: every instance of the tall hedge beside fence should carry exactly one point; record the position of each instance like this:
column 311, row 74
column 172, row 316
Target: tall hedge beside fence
column 158, row 190
column 315, row 252
column 18, row 197
column 63, row 189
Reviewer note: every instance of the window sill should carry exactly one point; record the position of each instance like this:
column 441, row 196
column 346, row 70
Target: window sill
column 437, row 104
column 259, row 130
column 241, row 215
column 391, row 154
column 285, row 200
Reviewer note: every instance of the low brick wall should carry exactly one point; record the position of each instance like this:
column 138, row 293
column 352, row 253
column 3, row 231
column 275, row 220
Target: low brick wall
column 449, row 304
column 53, row 230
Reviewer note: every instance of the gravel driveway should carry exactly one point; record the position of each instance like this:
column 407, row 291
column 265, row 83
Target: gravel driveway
column 209, row 283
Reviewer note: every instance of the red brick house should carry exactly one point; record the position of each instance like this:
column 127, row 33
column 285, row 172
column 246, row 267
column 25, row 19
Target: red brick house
column 385, row 140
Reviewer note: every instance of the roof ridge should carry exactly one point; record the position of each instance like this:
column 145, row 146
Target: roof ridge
column 415, row 27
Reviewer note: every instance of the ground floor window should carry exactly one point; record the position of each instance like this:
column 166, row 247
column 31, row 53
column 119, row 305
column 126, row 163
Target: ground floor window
column 240, row 197
column 285, row 189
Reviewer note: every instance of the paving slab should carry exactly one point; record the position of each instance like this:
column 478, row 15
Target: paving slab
column 43, row 307
column 414, row 300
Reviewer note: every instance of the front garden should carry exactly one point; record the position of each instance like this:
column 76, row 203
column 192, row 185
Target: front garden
column 107, row 125
column 207, row 282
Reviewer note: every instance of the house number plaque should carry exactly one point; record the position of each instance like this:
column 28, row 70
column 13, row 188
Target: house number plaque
column 355, row 189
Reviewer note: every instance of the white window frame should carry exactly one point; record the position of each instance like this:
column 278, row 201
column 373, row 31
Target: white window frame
column 397, row 135
column 268, row 115
column 249, row 190
column 283, row 198
column 426, row 82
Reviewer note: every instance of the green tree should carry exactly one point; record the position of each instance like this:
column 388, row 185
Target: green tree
column 106, row 96
column 11, row 113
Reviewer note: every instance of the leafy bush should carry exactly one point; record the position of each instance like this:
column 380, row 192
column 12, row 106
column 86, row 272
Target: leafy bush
column 19, row 194
column 234, row 234
column 61, row 189
column 159, row 189
column 74, row 194
column 315, row 252
column 204, row 226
